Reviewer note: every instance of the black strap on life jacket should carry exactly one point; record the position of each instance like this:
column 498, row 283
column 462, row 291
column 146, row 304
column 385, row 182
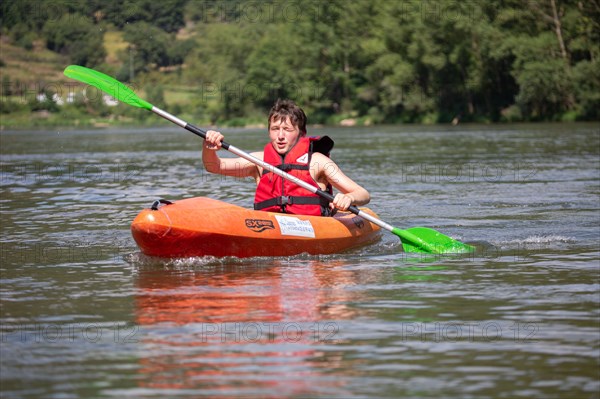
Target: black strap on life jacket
column 289, row 200
column 287, row 167
column 286, row 199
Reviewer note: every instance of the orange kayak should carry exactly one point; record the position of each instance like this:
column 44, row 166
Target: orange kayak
column 207, row 227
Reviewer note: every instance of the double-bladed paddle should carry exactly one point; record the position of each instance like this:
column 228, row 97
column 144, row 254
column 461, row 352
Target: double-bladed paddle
column 416, row 239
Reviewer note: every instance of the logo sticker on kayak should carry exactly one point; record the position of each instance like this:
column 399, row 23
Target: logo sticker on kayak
column 259, row 225
column 291, row 226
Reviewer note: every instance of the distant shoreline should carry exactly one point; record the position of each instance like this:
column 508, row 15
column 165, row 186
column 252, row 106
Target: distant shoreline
column 165, row 125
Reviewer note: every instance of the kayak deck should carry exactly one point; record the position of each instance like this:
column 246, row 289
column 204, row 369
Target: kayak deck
column 206, row 227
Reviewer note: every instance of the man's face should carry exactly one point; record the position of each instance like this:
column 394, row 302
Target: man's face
column 283, row 135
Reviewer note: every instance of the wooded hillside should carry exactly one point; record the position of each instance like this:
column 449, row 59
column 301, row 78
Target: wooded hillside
column 376, row 61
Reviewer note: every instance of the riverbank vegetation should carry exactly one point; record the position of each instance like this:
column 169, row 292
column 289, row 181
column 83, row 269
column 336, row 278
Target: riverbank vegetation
column 360, row 62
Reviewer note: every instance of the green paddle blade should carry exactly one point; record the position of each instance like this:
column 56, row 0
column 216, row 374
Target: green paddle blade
column 107, row 84
column 425, row 240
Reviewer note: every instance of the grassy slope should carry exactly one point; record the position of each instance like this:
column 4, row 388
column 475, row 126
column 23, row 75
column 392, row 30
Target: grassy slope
column 41, row 68
column 34, row 67
column 114, row 44
column 42, row 65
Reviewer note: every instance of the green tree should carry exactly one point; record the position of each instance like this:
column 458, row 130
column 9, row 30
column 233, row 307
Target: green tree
column 78, row 37
column 155, row 94
column 538, row 39
column 275, row 71
column 149, row 44
column 217, row 67
column 166, row 15
column 31, row 14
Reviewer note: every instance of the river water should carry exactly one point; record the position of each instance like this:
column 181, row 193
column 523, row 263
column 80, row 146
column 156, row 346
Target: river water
column 85, row 315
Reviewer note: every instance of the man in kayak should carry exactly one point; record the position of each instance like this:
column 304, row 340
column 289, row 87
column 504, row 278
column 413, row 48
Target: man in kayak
column 291, row 151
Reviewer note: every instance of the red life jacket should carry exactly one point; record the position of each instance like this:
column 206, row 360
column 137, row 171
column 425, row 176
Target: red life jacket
column 276, row 194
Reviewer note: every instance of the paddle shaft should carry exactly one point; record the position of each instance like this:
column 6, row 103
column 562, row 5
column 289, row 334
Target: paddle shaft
column 242, row 154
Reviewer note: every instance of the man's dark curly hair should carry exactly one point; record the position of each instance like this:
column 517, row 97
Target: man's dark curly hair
column 287, row 108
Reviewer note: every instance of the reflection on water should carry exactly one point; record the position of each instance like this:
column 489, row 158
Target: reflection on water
column 243, row 328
